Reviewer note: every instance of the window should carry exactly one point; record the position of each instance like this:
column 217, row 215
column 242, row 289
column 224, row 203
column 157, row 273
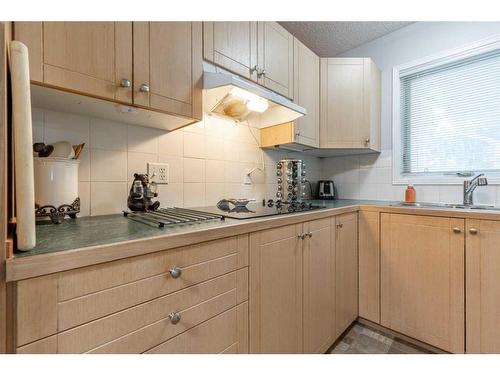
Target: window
column 447, row 112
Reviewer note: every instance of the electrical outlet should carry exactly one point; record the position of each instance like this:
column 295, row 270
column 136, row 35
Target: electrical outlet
column 158, row 173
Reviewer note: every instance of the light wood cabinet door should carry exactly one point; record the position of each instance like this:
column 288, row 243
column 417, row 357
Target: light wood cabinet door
column 369, row 265
column 232, row 45
column 276, row 290
column 306, row 94
column 350, row 104
column 319, row 287
column 275, row 58
column 85, row 57
column 483, row 286
column 346, row 271
column 168, row 67
column 422, row 278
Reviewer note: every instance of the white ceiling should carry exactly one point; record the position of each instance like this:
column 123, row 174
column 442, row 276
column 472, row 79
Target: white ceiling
column 328, row 39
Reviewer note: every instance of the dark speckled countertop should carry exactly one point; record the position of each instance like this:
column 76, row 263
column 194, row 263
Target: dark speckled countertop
column 108, row 229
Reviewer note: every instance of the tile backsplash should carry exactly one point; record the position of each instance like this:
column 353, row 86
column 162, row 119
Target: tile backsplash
column 370, row 177
column 207, row 160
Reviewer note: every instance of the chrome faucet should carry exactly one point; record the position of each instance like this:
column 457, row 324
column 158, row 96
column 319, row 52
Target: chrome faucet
column 471, row 185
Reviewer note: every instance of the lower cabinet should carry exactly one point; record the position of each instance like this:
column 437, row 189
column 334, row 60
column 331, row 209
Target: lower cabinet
column 369, row 265
column 276, row 290
column 193, row 299
column 483, row 286
column 303, row 285
column 346, row 271
column 422, row 278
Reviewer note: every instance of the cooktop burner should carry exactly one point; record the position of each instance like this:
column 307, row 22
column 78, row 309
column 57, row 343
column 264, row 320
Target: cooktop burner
column 255, row 210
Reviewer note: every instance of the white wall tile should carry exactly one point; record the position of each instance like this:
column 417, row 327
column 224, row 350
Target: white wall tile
column 108, row 197
column 207, row 161
column 108, row 135
column 84, row 167
column 215, row 148
column 137, row 162
column 84, row 194
column 194, row 170
column 194, row 194
column 142, row 139
column 194, row 145
column 175, row 167
column 214, row 192
column 215, row 171
column 108, row 165
column 60, row 126
column 171, row 143
column 171, row 195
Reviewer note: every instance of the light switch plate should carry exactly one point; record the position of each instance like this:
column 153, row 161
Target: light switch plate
column 158, row 173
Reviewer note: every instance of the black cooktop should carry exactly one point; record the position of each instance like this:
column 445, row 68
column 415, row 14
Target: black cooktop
column 255, row 210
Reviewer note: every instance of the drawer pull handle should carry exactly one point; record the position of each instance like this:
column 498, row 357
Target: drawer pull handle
column 473, row 231
column 340, row 225
column 144, row 88
column 174, row 317
column 457, row 230
column 175, row 272
column 309, row 234
column 125, row 83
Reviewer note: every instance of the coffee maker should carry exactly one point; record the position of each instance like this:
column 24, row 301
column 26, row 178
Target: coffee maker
column 140, row 197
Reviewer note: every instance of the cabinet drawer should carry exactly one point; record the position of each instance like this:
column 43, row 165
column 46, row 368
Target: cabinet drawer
column 70, row 299
column 226, row 333
column 144, row 326
column 83, row 281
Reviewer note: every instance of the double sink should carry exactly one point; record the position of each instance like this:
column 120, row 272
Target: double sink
column 446, row 205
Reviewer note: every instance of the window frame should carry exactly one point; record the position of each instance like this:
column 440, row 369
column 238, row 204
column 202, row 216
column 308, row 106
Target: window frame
column 445, row 57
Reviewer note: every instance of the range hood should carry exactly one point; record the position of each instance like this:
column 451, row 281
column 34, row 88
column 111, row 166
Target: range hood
column 231, row 96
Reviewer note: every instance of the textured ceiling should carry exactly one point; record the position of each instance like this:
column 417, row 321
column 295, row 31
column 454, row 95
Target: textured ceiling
column 329, row 39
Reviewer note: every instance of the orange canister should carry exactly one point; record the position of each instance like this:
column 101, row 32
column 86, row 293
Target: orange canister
column 410, row 194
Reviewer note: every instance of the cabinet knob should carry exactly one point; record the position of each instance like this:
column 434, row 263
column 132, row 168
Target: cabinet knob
column 301, row 236
column 457, row 230
column 367, row 141
column 175, row 272
column 473, row 231
column 254, row 69
column 174, row 317
column 340, row 225
column 261, row 73
column 125, row 83
column 144, row 88
column 309, row 234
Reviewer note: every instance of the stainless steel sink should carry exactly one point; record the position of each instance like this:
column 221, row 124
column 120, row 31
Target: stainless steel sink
column 445, row 205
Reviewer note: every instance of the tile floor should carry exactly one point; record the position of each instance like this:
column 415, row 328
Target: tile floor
column 361, row 339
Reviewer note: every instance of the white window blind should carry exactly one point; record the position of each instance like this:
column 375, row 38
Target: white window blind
column 450, row 117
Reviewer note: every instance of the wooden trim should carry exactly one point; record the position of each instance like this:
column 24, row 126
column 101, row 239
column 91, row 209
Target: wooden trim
column 141, row 62
column 4, row 37
column 197, row 70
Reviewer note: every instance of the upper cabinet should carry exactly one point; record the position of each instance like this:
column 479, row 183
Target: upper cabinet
column 93, row 58
column 260, row 51
column 304, row 132
column 350, row 104
column 151, row 65
column 167, row 72
column 275, row 58
column 232, row 45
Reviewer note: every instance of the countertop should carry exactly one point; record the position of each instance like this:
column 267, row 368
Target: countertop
column 92, row 240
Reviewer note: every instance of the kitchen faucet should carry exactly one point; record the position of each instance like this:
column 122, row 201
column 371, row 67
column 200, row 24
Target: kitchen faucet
column 471, row 185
